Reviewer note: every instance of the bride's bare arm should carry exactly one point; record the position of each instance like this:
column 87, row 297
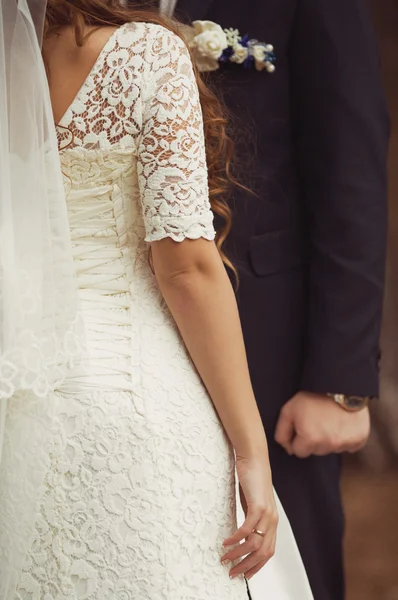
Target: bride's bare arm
column 173, row 179
column 198, row 292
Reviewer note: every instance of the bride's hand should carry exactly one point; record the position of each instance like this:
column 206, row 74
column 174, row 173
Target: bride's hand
column 258, row 502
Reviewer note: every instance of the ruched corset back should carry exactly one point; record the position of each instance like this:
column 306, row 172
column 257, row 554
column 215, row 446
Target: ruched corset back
column 111, row 260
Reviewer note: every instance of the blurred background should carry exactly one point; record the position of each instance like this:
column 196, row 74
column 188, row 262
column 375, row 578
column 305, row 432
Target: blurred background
column 370, row 482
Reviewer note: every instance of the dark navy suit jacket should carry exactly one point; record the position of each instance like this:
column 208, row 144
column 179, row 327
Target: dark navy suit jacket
column 312, row 141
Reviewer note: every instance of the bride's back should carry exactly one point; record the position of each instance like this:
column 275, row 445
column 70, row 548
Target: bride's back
column 68, row 64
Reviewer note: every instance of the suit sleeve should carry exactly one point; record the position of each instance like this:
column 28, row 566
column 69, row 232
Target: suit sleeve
column 341, row 131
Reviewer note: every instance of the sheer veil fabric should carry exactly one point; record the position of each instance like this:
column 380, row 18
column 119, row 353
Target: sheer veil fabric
column 40, row 330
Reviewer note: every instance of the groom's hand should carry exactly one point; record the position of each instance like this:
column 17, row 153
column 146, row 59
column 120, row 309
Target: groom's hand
column 315, row 424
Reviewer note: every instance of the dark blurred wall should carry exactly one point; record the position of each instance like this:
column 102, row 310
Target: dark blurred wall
column 383, row 446
column 370, row 482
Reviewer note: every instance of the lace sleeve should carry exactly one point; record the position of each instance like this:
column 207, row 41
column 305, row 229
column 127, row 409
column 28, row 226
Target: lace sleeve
column 172, row 166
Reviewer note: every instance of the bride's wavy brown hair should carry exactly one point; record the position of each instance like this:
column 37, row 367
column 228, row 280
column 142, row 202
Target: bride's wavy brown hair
column 219, row 148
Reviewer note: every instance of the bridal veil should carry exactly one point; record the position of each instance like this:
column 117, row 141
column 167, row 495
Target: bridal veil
column 40, row 332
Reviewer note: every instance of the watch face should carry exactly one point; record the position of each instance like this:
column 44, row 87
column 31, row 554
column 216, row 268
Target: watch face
column 355, row 402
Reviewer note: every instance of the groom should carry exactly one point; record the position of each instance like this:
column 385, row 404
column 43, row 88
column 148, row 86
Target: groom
column 309, row 246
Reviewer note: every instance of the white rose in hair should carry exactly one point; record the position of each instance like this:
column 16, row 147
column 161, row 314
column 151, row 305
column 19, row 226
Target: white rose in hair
column 240, row 55
column 210, row 39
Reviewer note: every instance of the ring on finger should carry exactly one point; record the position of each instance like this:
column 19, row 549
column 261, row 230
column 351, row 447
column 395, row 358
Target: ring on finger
column 258, row 532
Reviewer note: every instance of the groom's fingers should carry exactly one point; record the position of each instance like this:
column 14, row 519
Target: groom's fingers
column 287, row 437
column 302, row 448
column 284, row 433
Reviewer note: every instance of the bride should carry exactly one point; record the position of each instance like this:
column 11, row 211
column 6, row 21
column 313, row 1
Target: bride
column 126, row 403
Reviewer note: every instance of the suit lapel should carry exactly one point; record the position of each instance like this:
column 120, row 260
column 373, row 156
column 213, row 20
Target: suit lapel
column 193, row 10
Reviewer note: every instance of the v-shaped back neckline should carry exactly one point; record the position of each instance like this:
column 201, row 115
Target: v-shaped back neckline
column 107, row 46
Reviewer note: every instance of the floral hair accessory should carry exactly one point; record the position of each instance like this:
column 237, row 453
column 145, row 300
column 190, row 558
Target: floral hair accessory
column 212, row 45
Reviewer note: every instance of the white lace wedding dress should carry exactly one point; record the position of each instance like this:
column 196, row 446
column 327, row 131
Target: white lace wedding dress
column 138, row 489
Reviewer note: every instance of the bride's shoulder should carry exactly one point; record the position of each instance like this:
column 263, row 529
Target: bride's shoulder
column 154, row 36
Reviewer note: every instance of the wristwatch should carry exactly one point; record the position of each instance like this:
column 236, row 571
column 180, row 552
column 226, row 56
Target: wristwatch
column 351, row 403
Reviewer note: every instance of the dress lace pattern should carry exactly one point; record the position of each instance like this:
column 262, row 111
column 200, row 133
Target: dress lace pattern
column 137, row 488
column 142, row 95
